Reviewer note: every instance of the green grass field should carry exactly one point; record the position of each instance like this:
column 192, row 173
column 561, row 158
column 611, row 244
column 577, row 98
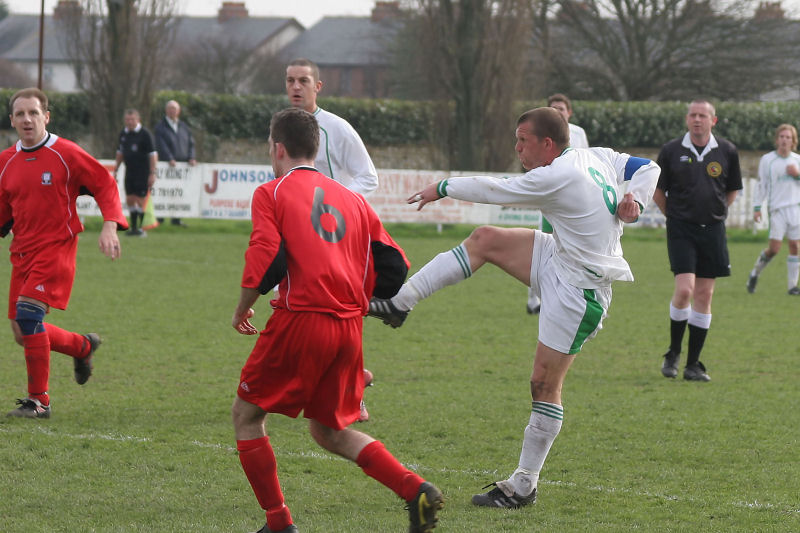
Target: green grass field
column 147, row 444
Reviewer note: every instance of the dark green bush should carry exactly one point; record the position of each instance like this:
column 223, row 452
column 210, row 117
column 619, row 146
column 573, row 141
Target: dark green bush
column 69, row 117
column 750, row 126
column 218, row 117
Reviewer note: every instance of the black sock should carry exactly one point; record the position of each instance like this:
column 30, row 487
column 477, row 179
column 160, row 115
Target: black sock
column 697, row 337
column 676, row 331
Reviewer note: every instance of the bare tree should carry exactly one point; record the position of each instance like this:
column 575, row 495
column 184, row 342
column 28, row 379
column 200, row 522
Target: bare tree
column 211, row 65
column 665, row 49
column 269, row 75
column 14, row 76
column 473, row 54
column 119, row 49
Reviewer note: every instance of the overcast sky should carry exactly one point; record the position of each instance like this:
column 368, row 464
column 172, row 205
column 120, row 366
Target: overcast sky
column 308, row 12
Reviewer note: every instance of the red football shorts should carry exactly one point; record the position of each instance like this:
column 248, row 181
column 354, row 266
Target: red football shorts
column 310, row 362
column 46, row 275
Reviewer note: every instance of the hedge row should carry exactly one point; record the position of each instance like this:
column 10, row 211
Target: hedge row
column 69, row 116
column 379, row 122
column 750, row 126
column 393, row 122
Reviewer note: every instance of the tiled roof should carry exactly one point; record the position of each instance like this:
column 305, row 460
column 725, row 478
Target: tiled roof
column 19, row 34
column 343, row 41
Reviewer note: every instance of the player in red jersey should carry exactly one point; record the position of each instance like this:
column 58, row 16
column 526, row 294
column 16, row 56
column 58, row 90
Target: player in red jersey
column 330, row 253
column 40, row 178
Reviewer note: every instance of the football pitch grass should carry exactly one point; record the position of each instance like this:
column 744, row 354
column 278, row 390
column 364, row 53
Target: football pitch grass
column 147, row 444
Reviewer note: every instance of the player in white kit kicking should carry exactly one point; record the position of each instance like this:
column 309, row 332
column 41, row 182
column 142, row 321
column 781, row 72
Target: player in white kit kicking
column 577, row 139
column 586, row 194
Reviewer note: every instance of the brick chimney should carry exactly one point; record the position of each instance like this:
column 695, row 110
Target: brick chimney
column 66, row 9
column 232, row 10
column 385, row 10
column 769, row 11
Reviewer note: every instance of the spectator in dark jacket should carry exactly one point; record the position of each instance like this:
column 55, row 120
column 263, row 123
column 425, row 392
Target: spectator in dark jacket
column 174, row 141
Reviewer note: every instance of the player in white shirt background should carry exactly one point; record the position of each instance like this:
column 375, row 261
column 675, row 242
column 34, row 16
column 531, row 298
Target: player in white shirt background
column 342, row 154
column 562, row 104
column 587, row 195
column 779, row 187
column 577, row 139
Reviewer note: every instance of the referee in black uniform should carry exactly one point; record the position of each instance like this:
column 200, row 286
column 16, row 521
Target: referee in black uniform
column 138, row 151
column 700, row 178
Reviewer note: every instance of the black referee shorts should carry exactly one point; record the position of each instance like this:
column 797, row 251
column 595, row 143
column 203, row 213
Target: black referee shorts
column 698, row 249
column 136, row 186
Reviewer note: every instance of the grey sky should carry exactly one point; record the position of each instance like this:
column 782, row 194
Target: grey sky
column 307, row 12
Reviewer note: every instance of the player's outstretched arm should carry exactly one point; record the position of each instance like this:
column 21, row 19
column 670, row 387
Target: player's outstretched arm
column 108, row 241
column 426, row 195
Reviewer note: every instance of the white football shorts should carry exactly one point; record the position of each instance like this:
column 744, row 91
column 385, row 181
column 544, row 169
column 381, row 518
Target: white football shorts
column 569, row 316
column 785, row 222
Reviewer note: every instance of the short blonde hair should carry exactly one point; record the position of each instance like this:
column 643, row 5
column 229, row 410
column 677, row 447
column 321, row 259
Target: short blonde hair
column 792, row 129
column 711, row 108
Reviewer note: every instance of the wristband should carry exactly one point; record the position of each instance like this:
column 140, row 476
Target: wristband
column 441, row 188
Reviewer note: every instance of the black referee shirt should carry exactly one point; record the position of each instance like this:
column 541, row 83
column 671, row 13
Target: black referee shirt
column 697, row 189
column 136, row 147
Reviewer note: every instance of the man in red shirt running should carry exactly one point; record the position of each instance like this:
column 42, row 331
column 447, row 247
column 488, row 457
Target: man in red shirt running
column 330, row 253
column 41, row 176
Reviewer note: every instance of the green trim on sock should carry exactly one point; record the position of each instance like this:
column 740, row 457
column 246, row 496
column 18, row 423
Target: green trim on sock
column 550, row 410
column 463, row 260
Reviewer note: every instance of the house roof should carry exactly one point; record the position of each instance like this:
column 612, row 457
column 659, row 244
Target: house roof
column 19, row 34
column 344, row 41
column 19, row 39
column 248, row 32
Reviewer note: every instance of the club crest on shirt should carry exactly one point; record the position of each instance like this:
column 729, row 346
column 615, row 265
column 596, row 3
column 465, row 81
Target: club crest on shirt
column 47, row 178
column 714, row 169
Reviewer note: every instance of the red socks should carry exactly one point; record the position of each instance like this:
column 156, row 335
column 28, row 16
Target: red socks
column 66, row 342
column 261, row 469
column 37, row 361
column 376, row 461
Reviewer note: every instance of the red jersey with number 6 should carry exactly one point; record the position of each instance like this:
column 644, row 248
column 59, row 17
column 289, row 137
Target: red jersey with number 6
column 325, row 245
column 38, row 189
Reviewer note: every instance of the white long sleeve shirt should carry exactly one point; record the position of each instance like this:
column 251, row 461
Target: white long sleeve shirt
column 578, row 194
column 342, row 154
column 775, row 187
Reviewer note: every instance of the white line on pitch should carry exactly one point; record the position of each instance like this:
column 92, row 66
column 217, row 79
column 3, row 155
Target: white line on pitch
column 327, row 457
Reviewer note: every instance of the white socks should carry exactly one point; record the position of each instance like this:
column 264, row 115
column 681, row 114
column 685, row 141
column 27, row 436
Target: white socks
column 700, row 320
column 679, row 315
column 542, row 429
column 447, row 268
column 761, row 263
column 792, row 270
